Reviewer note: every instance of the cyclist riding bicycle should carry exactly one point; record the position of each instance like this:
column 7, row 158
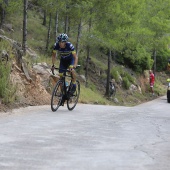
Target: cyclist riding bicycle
column 68, row 58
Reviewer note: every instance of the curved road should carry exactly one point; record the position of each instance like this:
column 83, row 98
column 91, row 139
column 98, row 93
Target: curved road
column 91, row 137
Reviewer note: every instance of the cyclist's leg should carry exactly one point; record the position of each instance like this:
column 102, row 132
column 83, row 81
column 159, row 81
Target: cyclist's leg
column 62, row 67
column 73, row 72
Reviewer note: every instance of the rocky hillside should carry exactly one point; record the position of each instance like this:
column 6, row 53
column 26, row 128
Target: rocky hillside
column 34, row 83
column 137, row 92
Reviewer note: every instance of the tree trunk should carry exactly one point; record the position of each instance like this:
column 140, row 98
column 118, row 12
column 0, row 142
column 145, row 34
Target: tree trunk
column 88, row 52
column 108, row 73
column 56, row 25
column 66, row 19
column 66, row 24
column 114, row 56
column 154, row 54
column 48, row 35
column 6, row 2
column 24, row 44
column 45, row 18
column 87, row 65
column 78, row 37
column 2, row 13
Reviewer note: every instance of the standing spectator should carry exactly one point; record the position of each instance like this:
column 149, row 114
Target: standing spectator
column 151, row 81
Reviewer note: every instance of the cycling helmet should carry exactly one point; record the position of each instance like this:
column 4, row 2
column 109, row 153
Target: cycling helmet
column 62, row 37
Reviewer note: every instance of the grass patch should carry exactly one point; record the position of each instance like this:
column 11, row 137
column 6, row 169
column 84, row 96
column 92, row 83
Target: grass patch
column 7, row 90
column 159, row 89
column 127, row 79
column 99, row 64
column 89, row 96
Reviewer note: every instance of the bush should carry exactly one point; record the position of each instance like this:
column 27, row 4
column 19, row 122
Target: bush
column 138, row 59
column 115, row 73
column 126, row 83
column 118, row 71
column 162, row 60
column 129, row 77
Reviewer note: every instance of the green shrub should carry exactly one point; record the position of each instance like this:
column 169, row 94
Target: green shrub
column 118, row 71
column 162, row 59
column 138, row 59
column 129, row 77
column 126, row 83
column 115, row 73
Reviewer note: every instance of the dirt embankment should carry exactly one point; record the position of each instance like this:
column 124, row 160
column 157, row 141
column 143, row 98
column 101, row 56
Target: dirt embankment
column 29, row 92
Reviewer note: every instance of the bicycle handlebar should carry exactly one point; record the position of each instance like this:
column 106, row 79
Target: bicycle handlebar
column 65, row 70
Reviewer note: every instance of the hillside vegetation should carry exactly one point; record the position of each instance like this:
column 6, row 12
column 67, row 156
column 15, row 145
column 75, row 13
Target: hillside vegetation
column 114, row 40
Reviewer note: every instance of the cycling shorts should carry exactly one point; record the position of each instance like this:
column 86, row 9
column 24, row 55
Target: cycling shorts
column 65, row 63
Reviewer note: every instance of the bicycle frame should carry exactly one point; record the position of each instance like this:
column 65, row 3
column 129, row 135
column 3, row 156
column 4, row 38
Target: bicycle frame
column 63, row 78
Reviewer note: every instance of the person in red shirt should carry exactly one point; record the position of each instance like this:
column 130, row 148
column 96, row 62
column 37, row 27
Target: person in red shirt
column 151, row 81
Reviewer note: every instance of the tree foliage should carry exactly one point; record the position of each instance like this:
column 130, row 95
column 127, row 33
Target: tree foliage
column 133, row 29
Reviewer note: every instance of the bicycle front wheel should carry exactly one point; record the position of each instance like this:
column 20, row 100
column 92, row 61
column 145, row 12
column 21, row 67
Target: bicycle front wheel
column 57, row 95
column 73, row 98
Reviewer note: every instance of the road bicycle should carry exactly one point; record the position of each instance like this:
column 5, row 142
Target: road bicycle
column 112, row 89
column 62, row 91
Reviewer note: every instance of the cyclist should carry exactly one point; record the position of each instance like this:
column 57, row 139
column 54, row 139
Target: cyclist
column 68, row 58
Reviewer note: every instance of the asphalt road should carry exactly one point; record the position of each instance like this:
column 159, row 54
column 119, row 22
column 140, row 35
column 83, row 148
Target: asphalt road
column 91, row 137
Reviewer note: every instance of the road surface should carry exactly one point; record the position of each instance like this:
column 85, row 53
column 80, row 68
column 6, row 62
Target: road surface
column 91, row 137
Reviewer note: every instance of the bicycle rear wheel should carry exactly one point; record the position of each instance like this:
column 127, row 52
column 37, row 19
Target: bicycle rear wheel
column 73, row 98
column 57, row 95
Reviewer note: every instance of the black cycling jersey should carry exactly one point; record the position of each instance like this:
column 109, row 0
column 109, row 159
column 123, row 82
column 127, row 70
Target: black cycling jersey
column 65, row 53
